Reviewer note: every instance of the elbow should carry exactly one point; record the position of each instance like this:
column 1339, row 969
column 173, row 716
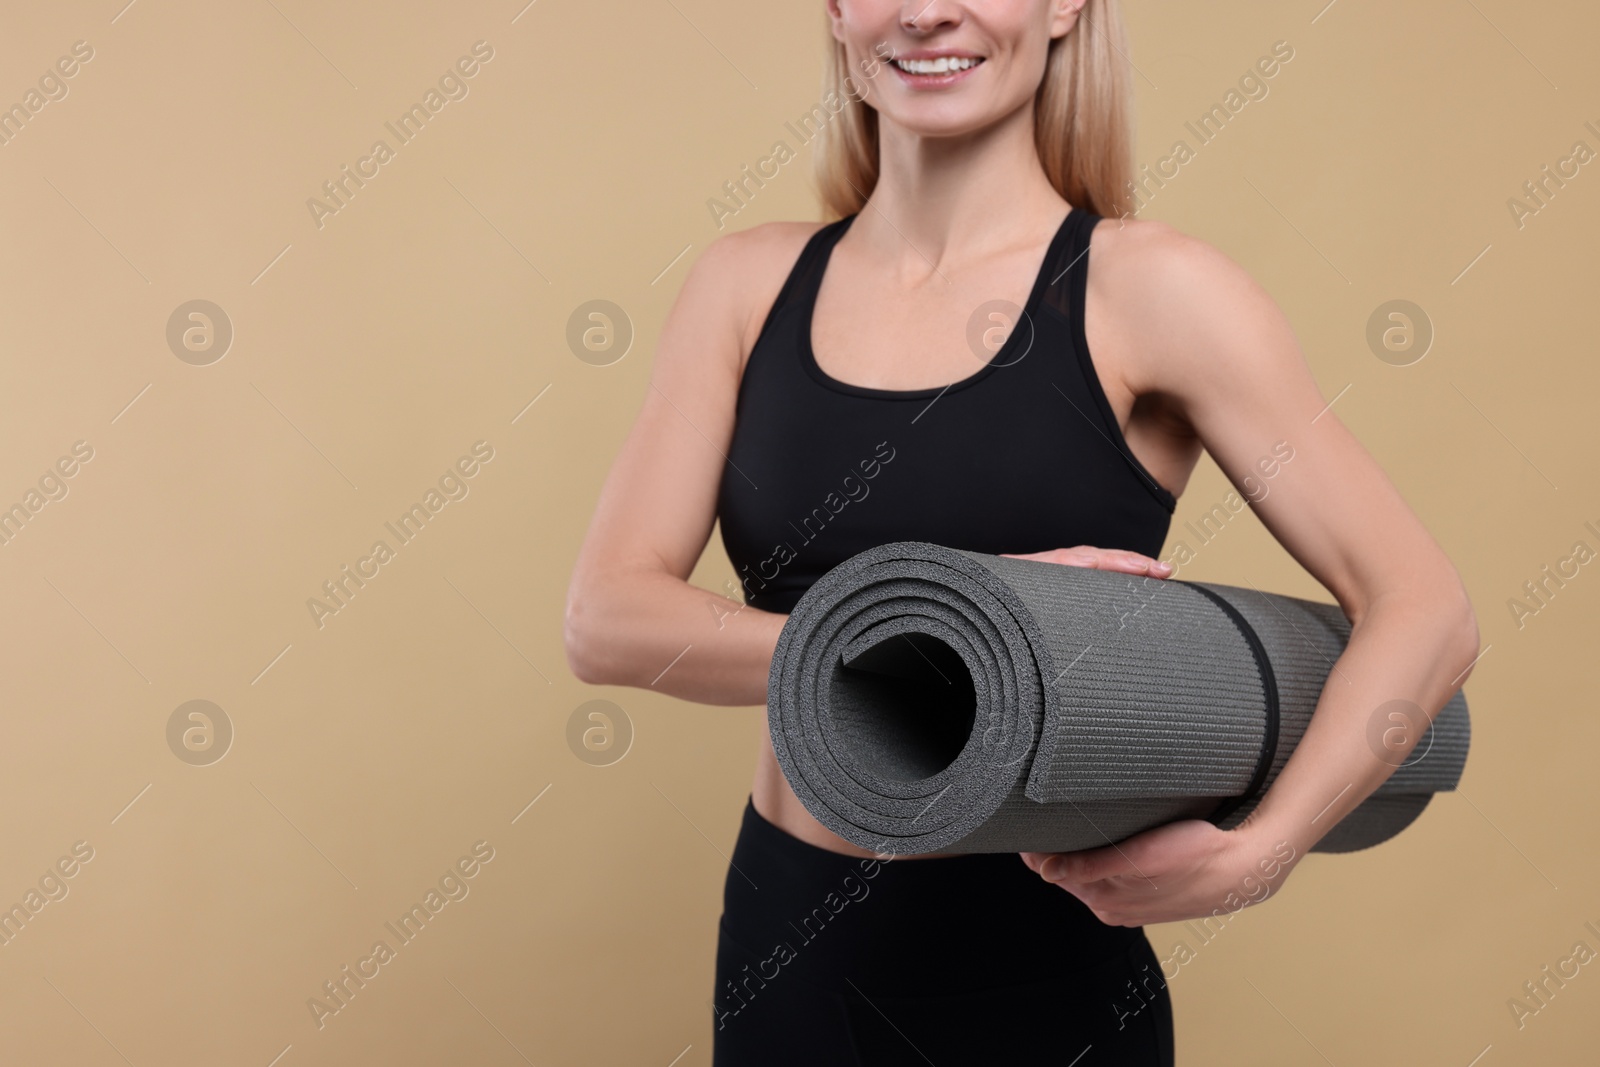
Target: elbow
column 1441, row 613
column 580, row 638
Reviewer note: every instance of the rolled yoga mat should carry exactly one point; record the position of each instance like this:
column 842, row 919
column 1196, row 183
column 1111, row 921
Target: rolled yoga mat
column 931, row 699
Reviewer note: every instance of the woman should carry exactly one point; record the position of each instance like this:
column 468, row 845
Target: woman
column 916, row 370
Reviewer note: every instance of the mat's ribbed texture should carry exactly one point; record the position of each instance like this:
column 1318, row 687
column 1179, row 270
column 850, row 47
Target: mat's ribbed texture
column 928, row 699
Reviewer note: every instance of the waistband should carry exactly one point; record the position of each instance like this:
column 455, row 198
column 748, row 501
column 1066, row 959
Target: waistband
column 928, row 921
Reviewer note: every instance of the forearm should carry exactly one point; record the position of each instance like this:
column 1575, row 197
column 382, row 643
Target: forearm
column 1404, row 648
column 649, row 629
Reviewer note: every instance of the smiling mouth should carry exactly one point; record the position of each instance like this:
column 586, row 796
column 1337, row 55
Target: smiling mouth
column 935, row 67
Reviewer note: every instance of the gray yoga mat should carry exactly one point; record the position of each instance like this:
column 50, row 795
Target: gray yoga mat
column 930, row 699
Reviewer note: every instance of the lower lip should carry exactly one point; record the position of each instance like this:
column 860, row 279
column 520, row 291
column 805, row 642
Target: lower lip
column 934, row 81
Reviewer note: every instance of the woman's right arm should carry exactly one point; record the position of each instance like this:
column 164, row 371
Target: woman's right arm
column 632, row 618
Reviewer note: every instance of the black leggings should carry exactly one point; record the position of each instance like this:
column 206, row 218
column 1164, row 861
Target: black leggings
column 824, row 958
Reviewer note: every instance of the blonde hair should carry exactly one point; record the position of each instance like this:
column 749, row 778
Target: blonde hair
column 1082, row 122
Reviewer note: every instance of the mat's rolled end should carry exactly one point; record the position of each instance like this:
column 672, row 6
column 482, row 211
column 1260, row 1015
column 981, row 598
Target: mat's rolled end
column 904, row 700
column 1374, row 821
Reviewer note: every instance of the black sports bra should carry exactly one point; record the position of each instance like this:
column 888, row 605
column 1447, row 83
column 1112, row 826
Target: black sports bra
column 1023, row 455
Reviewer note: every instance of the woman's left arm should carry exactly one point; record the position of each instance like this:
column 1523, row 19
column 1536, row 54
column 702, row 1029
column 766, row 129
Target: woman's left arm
column 1210, row 342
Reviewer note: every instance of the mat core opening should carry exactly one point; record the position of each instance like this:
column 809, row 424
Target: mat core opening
column 904, row 707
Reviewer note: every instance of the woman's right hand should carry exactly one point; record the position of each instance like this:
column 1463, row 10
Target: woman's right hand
column 1103, row 559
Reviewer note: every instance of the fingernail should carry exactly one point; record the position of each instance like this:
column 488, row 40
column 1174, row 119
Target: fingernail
column 1050, row 870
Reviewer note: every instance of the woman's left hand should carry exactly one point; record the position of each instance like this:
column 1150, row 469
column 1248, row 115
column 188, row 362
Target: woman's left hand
column 1183, row 870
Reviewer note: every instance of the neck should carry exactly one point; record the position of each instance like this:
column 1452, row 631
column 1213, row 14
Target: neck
column 941, row 201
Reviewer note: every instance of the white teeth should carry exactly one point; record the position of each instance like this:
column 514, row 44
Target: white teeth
column 942, row 65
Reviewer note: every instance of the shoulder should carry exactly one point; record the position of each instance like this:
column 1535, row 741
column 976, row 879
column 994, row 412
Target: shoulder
column 761, row 242
column 1187, row 309
column 747, row 262
column 748, row 267
column 723, row 302
column 1145, row 257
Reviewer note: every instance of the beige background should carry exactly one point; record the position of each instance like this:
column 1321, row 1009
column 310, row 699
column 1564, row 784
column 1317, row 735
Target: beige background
column 369, row 354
